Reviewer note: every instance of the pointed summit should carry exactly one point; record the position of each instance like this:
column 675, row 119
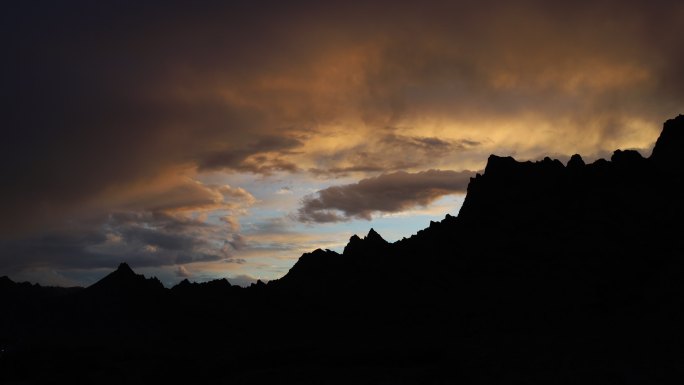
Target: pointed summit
column 124, row 279
column 374, row 238
column 373, row 235
column 125, row 269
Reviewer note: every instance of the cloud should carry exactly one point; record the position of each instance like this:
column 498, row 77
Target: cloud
column 239, row 261
column 232, row 222
column 183, row 272
column 186, row 195
column 390, row 152
column 285, row 190
column 387, row 193
column 174, row 230
column 258, row 157
column 243, row 280
column 236, row 242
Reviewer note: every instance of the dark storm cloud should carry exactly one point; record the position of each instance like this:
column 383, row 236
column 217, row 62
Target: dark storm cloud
column 385, row 193
column 98, row 96
column 141, row 239
column 170, row 233
column 246, row 160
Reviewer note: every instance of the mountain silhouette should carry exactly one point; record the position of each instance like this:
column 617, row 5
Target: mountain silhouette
column 125, row 280
column 550, row 273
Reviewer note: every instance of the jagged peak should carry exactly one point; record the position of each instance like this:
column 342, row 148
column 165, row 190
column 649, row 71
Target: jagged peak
column 124, row 268
column 373, row 236
column 214, row 283
column 372, row 239
column 259, row 284
column 125, row 277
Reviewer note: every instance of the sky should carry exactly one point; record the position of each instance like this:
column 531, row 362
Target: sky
column 211, row 139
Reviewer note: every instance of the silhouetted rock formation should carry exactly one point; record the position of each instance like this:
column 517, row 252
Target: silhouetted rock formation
column 549, row 274
column 25, row 291
column 371, row 242
column 667, row 151
column 123, row 281
column 198, row 295
column 576, row 162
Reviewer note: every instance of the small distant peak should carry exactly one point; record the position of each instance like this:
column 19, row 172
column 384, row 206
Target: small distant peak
column 124, row 268
column 183, row 285
column 5, row 280
column 576, row 162
column 626, row 157
column 355, row 238
column 372, row 234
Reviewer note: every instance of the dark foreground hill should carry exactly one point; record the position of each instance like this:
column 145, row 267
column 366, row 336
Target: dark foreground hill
column 551, row 273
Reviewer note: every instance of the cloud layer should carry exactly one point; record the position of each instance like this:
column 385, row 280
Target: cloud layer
column 386, row 193
column 115, row 110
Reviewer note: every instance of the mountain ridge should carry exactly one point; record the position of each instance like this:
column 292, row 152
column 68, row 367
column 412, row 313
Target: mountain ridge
column 505, row 170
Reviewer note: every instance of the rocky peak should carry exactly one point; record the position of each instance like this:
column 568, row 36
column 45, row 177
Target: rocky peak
column 371, row 241
column 498, row 165
column 668, row 147
column 576, row 162
column 125, row 279
column 373, row 236
column 629, row 158
column 125, row 269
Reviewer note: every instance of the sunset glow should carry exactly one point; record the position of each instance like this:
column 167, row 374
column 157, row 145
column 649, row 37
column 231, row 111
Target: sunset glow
column 227, row 140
